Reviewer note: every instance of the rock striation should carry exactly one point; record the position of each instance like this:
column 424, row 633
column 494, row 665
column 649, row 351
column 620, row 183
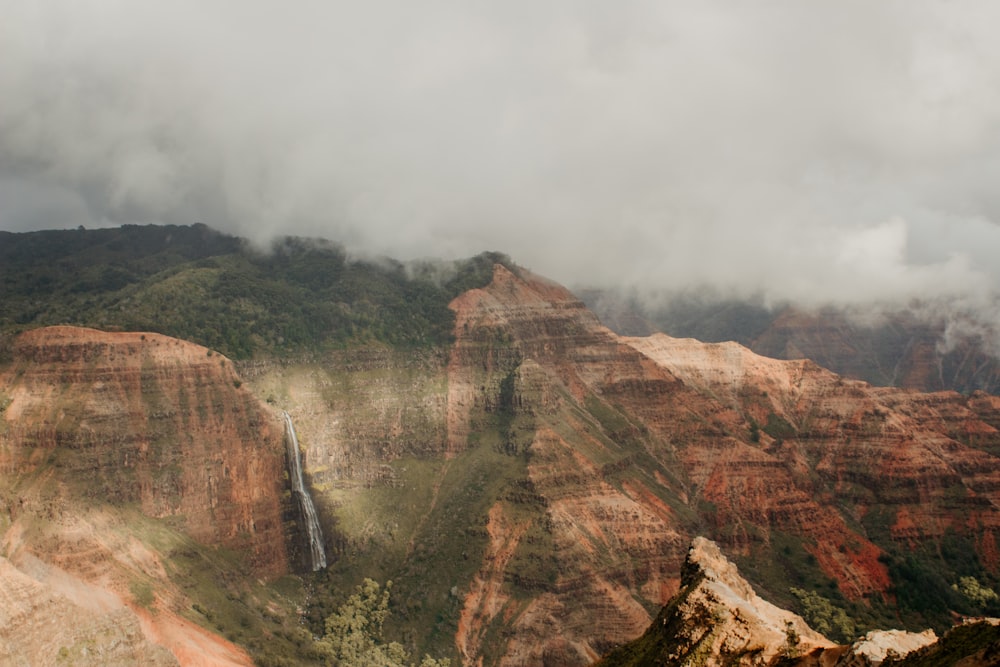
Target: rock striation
column 98, row 432
column 717, row 620
column 531, row 490
column 147, row 419
column 898, row 455
column 635, row 445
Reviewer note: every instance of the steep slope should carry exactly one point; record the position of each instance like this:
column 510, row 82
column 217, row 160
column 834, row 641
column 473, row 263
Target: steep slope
column 531, row 491
column 636, row 451
column 39, row 625
column 891, row 454
column 117, row 450
column 717, row 619
column 146, row 419
column 624, row 454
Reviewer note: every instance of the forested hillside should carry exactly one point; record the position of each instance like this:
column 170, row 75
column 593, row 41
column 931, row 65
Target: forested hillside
column 200, row 285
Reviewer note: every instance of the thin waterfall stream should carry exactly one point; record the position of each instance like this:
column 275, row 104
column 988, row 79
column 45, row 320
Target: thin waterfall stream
column 313, row 531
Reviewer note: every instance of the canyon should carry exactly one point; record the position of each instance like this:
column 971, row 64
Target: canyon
column 538, row 486
column 531, row 489
column 116, row 449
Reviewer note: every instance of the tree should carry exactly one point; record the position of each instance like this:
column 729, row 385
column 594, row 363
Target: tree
column 792, row 639
column 971, row 588
column 354, row 633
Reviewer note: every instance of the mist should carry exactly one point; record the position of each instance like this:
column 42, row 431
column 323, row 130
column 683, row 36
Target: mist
column 829, row 152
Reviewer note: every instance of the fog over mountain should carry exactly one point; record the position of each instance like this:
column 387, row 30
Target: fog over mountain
column 834, row 151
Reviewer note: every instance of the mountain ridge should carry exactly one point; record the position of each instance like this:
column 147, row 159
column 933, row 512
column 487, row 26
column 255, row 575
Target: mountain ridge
column 532, row 483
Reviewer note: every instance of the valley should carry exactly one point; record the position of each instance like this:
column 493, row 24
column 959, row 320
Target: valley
column 529, row 481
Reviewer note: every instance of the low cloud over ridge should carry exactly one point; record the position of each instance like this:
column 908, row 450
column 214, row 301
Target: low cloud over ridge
column 831, row 151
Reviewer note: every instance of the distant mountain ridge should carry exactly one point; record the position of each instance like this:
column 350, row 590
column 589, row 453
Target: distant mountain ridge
column 884, row 346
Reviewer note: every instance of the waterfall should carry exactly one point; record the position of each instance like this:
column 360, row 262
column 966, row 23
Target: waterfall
column 313, row 532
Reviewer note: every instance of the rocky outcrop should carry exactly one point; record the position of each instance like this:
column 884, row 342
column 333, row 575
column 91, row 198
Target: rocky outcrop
column 115, row 449
column 878, row 645
column 717, row 619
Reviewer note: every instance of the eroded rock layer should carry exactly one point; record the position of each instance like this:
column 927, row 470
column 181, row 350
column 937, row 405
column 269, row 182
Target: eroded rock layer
column 717, row 619
column 147, row 419
column 100, row 432
column 531, row 490
column 633, row 445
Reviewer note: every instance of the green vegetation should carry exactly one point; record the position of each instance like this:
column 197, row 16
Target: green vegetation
column 935, row 582
column 792, row 640
column 142, row 593
column 790, row 577
column 213, row 289
column 825, row 618
column 979, row 595
column 353, row 634
column 778, row 427
column 432, row 554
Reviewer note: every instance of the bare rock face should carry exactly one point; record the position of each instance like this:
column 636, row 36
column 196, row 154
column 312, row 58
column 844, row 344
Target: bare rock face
column 532, row 490
column 717, row 619
column 152, row 420
column 878, row 645
column 99, row 431
column 632, row 445
column 848, row 439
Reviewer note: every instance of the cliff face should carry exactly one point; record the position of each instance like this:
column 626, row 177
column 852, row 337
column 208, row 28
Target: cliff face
column 717, row 619
column 632, row 445
column 531, row 490
column 918, row 462
column 147, row 419
column 99, row 430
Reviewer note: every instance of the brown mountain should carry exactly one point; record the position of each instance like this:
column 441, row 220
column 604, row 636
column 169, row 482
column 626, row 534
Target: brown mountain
column 537, row 487
column 531, row 489
column 116, row 448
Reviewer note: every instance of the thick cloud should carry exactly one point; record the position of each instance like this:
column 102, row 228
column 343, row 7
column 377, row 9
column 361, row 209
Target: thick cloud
column 822, row 151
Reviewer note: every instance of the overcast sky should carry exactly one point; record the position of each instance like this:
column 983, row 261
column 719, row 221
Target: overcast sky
column 829, row 150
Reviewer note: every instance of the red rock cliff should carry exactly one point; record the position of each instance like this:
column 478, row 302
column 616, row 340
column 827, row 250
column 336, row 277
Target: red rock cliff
column 150, row 420
column 634, row 445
